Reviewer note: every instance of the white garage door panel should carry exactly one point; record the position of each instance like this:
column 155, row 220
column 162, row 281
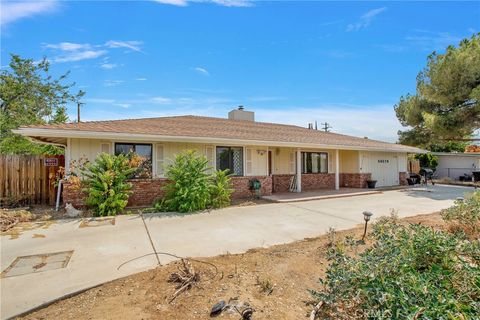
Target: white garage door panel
column 383, row 166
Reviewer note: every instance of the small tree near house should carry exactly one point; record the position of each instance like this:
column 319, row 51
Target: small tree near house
column 192, row 187
column 105, row 184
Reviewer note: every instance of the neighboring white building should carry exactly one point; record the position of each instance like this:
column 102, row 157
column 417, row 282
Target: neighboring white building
column 454, row 165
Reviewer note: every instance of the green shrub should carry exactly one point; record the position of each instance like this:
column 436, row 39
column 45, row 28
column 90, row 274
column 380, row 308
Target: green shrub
column 410, row 272
column 105, row 185
column 220, row 189
column 189, row 189
column 464, row 216
column 427, row 160
column 192, row 187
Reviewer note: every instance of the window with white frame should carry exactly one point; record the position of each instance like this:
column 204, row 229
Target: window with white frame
column 140, row 155
column 230, row 158
column 314, row 162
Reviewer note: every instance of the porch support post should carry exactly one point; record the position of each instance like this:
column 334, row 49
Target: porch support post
column 337, row 170
column 299, row 170
column 68, row 156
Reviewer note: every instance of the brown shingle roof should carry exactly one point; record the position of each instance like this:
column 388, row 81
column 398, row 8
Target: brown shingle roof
column 195, row 126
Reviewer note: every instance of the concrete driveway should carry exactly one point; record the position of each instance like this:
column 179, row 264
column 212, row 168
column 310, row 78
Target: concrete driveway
column 107, row 252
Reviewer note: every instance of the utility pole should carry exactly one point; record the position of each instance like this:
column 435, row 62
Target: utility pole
column 326, row 126
column 79, row 104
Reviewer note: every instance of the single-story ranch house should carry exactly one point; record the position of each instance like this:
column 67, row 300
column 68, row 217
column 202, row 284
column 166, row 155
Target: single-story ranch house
column 282, row 157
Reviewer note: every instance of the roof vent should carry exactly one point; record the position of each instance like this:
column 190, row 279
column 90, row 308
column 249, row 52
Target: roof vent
column 241, row 114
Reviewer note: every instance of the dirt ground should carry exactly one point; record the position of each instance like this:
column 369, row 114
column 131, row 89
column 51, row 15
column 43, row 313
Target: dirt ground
column 273, row 281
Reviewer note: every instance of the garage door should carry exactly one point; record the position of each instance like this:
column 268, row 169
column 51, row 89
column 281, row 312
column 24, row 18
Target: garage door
column 383, row 166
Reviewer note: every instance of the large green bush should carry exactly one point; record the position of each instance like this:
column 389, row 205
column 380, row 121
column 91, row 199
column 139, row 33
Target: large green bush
column 220, row 189
column 192, row 187
column 105, row 184
column 410, row 272
column 464, row 216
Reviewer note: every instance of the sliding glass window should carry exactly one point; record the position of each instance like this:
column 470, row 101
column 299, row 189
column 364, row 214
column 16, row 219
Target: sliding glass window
column 314, row 162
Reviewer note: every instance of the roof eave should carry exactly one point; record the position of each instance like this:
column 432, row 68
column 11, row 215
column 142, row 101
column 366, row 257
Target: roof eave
column 80, row 134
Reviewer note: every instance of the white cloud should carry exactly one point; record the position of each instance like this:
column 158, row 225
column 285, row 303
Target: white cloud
column 69, row 51
column 112, row 83
column 13, row 11
column 225, row 3
column 132, row 45
column 431, row 40
column 108, row 66
column 68, row 46
column 123, row 105
column 374, row 121
column 161, row 100
column 80, row 55
column 365, row 19
column 233, row 3
column 140, row 79
column 99, row 100
column 202, row 71
column 180, row 3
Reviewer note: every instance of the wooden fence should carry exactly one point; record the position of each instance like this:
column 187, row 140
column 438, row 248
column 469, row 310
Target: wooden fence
column 29, row 180
column 413, row 166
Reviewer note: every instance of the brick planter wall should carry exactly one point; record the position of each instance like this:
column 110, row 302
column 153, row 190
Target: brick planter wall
column 281, row 182
column 241, row 185
column 313, row 181
column 144, row 193
column 71, row 194
column 354, row 180
column 402, row 178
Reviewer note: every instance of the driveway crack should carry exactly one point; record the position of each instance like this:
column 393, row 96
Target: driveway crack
column 150, row 238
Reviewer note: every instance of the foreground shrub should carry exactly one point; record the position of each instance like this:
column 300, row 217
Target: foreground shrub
column 192, row 187
column 410, row 272
column 220, row 190
column 105, row 184
column 189, row 189
column 464, row 216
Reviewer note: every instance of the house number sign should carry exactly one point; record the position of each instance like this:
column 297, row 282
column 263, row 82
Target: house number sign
column 50, row 162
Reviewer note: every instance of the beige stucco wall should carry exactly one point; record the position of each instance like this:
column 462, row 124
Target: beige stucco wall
column 281, row 157
column 349, row 161
column 90, row 148
column 281, row 160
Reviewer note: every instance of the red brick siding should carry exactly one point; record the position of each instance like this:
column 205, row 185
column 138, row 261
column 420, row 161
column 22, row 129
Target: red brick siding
column 144, row 193
column 71, row 194
column 313, row 181
column 281, row 182
column 354, row 180
column 241, row 185
column 402, row 178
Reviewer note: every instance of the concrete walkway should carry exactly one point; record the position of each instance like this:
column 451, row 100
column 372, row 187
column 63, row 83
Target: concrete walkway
column 106, row 252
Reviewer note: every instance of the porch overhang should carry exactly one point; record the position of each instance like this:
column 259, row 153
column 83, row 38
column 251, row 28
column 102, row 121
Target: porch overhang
column 61, row 136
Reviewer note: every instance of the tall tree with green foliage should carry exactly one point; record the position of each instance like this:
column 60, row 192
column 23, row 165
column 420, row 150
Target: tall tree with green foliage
column 29, row 95
column 447, row 100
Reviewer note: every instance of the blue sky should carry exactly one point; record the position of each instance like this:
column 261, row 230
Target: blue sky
column 346, row 63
